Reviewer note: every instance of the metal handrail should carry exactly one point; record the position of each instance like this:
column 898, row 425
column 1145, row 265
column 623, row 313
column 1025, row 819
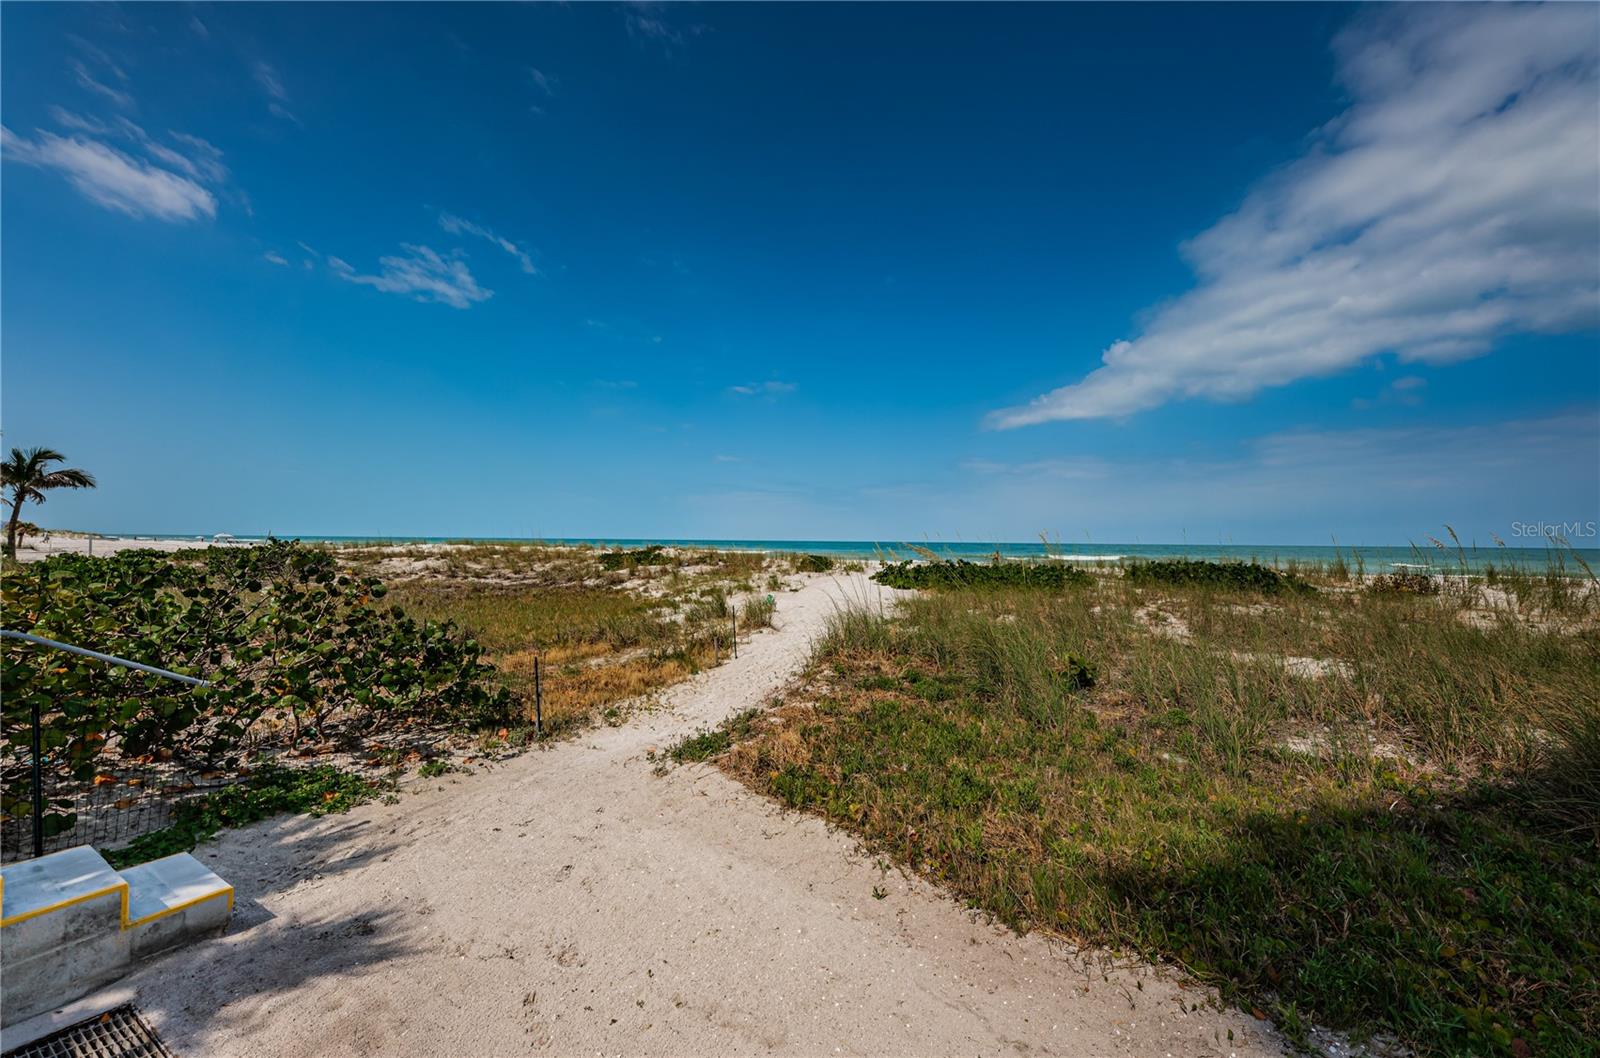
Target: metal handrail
column 38, row 753
column 86, row 652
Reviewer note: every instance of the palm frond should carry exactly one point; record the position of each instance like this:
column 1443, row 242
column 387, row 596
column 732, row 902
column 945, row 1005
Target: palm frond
column 69, row 478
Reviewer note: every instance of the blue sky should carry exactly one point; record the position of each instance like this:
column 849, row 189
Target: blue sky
column 1240, row 273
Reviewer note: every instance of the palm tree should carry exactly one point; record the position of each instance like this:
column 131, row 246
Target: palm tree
column 27, row 475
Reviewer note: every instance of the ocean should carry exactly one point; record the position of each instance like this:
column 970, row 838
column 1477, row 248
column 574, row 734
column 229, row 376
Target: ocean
column 1375, row 559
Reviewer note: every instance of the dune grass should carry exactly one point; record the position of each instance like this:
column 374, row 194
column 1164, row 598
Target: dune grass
column 604, row 629
column 1370, row 810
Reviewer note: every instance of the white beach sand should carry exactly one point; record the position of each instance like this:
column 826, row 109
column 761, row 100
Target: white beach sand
column 43, row 546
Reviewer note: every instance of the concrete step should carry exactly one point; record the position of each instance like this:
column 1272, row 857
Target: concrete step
column 70, row 924
column 58, row 899
column 172, row 900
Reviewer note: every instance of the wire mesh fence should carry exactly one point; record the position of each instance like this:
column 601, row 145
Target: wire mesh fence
column 124, row 801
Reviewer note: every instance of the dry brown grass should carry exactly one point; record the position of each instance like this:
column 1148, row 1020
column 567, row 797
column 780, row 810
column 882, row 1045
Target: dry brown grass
column 603, row 637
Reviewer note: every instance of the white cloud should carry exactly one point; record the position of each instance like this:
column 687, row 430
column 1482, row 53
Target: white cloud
column 173, row 180
column 1453, row 203
column 545, row 81
column 770, row 389
column 267, row 77
column 276, row 258
column 271, row 82
column 648, row 21
column 420, row 273
column 88, row 81
column 457, row 226
column 111, row 178
column 199, row 160
column 195, row 157
column 67, row 119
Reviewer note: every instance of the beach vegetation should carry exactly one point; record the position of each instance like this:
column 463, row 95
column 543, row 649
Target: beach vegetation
column 317, row 790
column 1233, row 576
column 600, row 638
column 654, row 555
column 962, row 575
column 1404, row 582
column 757, row 611
column 1375, row 812
column 294, row 651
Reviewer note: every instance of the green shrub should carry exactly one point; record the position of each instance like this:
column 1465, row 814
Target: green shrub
column 1404, row 582
column 654, row 555
column 286, row 640
column 1236, row 576
column 963, row 575
column 813, row 564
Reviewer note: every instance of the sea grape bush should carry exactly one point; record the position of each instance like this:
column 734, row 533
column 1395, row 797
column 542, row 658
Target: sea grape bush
column 1404, row 582
column 1237, row 576
column 654, row 555
column 290, row 644
column 961, row 574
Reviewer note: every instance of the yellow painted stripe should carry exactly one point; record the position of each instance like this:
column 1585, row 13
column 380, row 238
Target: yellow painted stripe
column 174, row 909
column 120, row 886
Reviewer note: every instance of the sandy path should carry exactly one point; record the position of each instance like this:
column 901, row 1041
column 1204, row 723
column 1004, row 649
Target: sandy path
column 573, row 902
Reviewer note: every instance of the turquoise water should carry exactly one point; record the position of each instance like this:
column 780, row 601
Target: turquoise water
column 1378, row 559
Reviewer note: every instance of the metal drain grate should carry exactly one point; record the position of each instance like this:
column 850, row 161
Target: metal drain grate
column 119, row 1033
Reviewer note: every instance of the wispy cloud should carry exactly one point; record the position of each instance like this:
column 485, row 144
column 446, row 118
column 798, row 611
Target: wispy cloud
column 271, row 83
column 545, row 81
column 648, row 21
column 87, row 80
column 768, row 389
column 76, row 122
column 267, row 77
column 419, row 273
column 172, row 179
column 1453, row 203
column 275, row 258
column 457, row 226
column 194, row 157
column 112, row 178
